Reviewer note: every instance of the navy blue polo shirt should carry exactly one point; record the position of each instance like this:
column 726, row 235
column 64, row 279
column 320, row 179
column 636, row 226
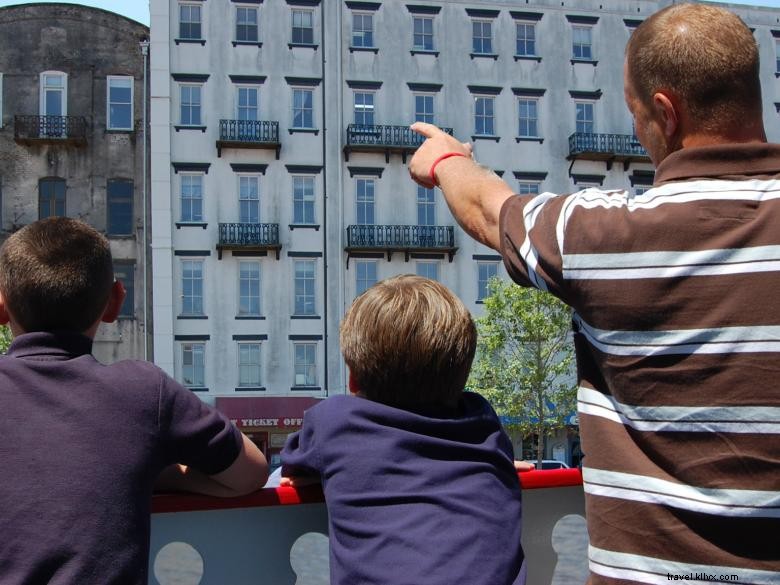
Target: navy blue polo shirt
column 81, row 445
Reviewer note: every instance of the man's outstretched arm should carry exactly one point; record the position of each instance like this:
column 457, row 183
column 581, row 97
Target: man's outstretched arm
column 473, row 193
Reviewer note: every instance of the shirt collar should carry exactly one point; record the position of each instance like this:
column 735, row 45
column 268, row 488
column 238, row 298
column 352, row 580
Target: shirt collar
column 755, row 159
column 57, row 344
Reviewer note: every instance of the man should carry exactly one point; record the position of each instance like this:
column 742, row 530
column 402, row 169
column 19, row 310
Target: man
column 675, row 312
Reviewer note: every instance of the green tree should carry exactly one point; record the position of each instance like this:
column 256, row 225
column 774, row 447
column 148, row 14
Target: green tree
column 5, row 338
column 525, row 357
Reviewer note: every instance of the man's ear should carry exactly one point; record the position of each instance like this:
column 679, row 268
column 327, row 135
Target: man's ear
column 668, row 114
column 353, row 387
column 5, row 318
column 115, row 299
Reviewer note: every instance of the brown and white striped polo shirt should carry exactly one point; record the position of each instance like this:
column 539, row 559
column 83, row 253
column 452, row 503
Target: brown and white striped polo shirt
column 676, row 299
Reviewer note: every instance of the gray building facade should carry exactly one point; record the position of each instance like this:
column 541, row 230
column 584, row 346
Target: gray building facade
column 72, row 141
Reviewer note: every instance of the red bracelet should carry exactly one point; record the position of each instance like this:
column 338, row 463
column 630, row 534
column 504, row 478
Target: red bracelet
column 437, row 161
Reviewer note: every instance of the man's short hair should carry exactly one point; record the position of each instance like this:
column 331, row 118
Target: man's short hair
column 705, row 55
column 56, row 275
column 409, row 342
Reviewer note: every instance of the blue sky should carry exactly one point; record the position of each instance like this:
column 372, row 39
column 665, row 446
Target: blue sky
column 139, row 9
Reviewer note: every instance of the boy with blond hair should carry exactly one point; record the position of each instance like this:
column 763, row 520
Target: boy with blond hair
column 83, row 443
column 418, row 474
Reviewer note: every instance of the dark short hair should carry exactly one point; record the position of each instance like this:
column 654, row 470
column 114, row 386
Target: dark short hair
column 56, row 275
column 705, row 55
column 409, row 342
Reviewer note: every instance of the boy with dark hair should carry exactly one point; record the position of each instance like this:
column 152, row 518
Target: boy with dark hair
column 83, row 443
column 418, row 474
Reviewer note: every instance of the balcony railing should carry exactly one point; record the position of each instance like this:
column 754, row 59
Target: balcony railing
column 50, row 129
column 401, row 238
column 248, row 134
column 278, row 535
column 249, row 237
column 623, row 148
column 383, row 138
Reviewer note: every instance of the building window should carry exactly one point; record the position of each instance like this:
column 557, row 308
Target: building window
column 364, row 108
column 581, row 47
column 305, row 280
column 119, row 194
column 246, row 24
column 125, row 273
column 777, row 55
column 120, row 103
column 305, row 364
column 528, row 188
column 189, row 21
column 428, row 269
column 303, row 27
column 422, row 37
column 303, row 200
column 362, row 30
column 526, row 39
column 485, row 271
column 426, row 206
column 641, row 189
column 528, row 116
column 303, row 109
column 51, row 198
column 53, row 100
column 249, row 198
column 191, row 197
column 193, row 364
column 190, row 105
column 249, row 364
column 248, row 103
column 423, row 108
column 483, row 116
column 249, row 288
column 1, row 100
column 365, row 275
column 364, row 201
column 192, row 287
column 584, row 117
column 482, row 36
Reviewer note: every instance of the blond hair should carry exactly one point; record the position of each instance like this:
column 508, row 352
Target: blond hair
column 409, row 342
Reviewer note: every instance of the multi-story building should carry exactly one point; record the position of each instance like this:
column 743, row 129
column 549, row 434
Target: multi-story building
column 279, row 184
column 72, row 141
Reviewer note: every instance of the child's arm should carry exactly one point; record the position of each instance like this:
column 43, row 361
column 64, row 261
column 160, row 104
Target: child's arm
column 246, row 474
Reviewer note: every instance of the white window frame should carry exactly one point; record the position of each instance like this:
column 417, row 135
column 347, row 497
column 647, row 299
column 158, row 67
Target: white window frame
column 255, row 382
column 299, row 380
column 482, row 283
column 109, row 79
column 524, row 25
column 492, row 117
column 190, row 5
column 482, row 22
column 43, row 88
column 248, row 88
column 191, row 218
column 364, row 109
column 194, row 347
column 302, row 310
column 309, row 90
column 306, row 200
column 575, row 45
column 191, row 86
column 256, row 9
column 591, row 123
column 293, row 12
column 362, row 283
column 525, row 187
column 426, row 207
column 427, row 263
column 424, row 116
column 249, row 313
column 194, row 297
column 257, row 201
column 363, row 31
column 362, row 200
column 528, row 119
column 423, row 35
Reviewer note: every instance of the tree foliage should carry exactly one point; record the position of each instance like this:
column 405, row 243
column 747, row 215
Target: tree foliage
column 525, row 357
column 5, row 338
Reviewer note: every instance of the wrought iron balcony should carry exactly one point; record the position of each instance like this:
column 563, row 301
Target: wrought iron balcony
column 189, row 544
column 383, row 138
column 623, row 148
column 249, row 237
column 248, row 134
column 51, row 130
column 401, row 238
